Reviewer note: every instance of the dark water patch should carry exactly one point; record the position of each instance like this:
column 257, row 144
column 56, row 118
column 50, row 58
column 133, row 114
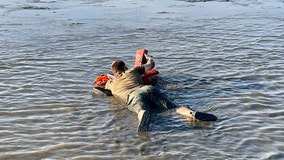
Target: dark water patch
column 205, row 0
column 35, row 8
column 41, row 1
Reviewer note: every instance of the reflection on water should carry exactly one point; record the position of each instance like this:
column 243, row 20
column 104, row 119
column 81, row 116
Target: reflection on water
column 225, row 58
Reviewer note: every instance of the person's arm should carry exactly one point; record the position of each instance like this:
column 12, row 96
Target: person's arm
column 110, row 77
column 108, row 85
column 150, row 64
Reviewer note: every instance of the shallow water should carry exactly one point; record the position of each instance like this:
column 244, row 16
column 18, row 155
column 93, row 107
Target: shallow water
column 224, row 58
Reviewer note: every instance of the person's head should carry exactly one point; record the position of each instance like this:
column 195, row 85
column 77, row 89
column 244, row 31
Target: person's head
column 118, row 67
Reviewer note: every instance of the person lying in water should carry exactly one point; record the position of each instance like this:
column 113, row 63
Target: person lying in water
column 127, row 85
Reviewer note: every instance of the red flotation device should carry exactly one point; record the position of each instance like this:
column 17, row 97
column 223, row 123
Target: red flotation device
column 140, row 60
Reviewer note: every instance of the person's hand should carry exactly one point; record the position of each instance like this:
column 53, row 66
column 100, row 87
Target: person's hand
column 110, row 76
column 150, row 63
column 100, row 86
column 147, row 56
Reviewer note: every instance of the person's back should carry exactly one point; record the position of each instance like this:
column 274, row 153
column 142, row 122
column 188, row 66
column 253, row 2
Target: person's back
column 126, row 82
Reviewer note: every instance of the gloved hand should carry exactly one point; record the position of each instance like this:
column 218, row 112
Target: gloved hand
column 147, row 56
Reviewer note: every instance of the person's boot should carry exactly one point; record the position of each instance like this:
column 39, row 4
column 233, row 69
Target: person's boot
column 144, row 121
column 196, row 115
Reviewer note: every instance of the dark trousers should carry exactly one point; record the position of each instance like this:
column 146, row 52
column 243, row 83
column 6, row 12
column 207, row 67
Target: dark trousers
column 148, row 98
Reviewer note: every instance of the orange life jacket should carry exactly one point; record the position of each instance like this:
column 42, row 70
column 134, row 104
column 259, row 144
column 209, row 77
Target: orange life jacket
column 101, row 80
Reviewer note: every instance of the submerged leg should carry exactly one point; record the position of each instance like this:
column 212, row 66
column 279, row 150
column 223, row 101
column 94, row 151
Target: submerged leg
column 144, row 121
column 138, row 102
column 163, row 102
column 160, row 100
